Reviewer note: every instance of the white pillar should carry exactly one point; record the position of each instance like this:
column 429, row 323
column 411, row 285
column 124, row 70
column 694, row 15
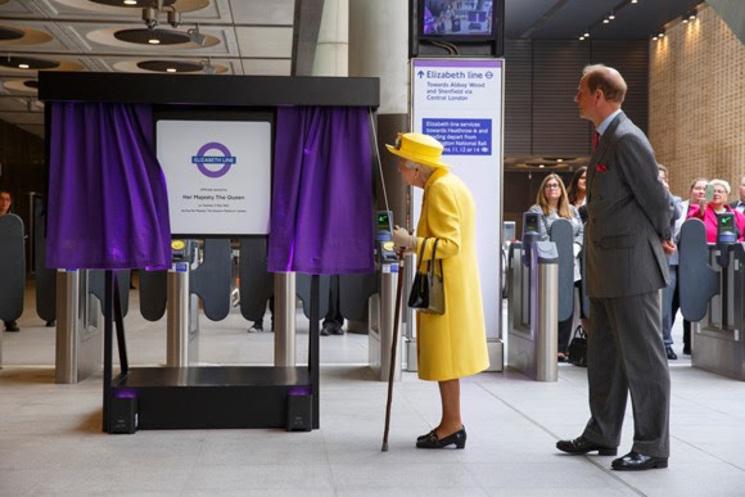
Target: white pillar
column 332, row 48
column 379, row 47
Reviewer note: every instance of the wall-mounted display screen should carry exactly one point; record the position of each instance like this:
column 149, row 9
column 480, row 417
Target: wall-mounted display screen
column 218, row 175
column 449, row 18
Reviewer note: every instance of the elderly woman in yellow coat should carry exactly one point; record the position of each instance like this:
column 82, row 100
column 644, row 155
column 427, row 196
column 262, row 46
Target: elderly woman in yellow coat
column 450, row 345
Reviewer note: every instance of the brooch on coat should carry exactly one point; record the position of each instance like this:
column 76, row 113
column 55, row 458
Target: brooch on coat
column 601, row 168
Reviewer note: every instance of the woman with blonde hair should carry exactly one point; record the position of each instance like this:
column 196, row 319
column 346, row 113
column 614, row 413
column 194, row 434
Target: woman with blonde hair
column 552, row 203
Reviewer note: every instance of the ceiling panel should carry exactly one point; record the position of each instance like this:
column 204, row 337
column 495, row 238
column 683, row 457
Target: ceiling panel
column 23, row 117
column 263, row 11
column 267, row 67
column 34, row 129
column 8, row 103
column 265, row 42
column 570, row 18
column 520, row 15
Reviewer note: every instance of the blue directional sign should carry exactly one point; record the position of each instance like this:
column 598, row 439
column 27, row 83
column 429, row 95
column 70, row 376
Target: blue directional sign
column 461, row 136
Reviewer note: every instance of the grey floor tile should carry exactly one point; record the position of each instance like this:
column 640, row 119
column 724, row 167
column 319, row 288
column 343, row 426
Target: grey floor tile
column 51, row 443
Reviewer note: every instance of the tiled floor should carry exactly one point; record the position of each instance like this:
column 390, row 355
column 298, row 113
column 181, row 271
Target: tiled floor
column 51, row 444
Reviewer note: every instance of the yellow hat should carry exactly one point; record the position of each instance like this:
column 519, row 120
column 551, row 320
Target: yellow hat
column 419, row 148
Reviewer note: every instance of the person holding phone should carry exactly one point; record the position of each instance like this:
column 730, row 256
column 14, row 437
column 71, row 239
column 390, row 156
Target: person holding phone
column 713, row 203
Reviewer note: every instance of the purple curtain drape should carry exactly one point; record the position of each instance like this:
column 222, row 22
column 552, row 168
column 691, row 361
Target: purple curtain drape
column 322, row 218
column 108, row 207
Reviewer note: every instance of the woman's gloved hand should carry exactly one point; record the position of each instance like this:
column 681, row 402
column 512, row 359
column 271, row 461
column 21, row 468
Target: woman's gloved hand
column 403, row 239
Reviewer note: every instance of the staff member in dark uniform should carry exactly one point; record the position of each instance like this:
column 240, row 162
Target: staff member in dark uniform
column 627, row 233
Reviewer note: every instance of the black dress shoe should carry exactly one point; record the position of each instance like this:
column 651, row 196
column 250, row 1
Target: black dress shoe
column 634, row 461
column 11, row 326
column 426, row 435
column 671, row 355
column 687, row 350
column 432, row 442
column 581, row 445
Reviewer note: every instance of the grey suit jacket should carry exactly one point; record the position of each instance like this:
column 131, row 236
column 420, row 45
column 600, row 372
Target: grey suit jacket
column 628, row 215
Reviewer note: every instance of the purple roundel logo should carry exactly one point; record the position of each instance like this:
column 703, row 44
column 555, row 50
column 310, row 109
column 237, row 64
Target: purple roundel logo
column 224, row 160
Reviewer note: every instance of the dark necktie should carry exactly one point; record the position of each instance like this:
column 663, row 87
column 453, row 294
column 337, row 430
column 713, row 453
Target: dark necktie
column 595, row 140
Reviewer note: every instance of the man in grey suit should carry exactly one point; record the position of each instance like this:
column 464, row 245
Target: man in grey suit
column 627, row 236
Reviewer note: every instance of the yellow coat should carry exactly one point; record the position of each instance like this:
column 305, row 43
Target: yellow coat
column 451, row 345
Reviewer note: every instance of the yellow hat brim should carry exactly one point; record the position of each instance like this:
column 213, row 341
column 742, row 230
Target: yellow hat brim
column 415, row 158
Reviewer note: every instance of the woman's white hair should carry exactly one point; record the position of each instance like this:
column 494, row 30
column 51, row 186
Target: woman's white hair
column 419, row 167
column 722, row 183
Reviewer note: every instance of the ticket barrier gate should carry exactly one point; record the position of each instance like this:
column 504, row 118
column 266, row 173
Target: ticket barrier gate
column 712, row 293
column 13, row 271
column 182, row 322
column 79, row 332
column 382, row 305
column 540, row 293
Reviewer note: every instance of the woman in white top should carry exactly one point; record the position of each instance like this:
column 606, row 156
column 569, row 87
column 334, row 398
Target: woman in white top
column 552, row 203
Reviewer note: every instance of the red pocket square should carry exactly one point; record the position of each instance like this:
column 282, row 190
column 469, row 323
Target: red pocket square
column 601, row 168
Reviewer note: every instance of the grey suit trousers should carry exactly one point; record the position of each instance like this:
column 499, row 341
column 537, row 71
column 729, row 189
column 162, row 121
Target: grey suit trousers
column 625, row 353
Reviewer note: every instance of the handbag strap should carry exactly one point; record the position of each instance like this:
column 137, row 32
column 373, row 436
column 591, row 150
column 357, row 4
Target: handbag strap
column 421, row 253
column 430, row 264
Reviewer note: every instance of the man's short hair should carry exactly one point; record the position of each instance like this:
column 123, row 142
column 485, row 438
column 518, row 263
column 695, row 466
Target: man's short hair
column 608, row 80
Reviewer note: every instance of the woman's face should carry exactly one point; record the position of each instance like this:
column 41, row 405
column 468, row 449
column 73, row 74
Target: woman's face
column 552, row 190
column 719, row 197
column 409, row 174
column 582, row 182
column 698, row 191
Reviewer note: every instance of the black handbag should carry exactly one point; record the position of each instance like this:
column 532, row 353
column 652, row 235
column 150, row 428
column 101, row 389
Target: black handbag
column 428, row 290
column 578, row 347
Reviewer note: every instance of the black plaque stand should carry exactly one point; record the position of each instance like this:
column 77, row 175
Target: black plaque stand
column 203, row 396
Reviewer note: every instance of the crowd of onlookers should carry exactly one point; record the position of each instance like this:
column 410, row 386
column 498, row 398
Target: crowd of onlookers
column 706, row 198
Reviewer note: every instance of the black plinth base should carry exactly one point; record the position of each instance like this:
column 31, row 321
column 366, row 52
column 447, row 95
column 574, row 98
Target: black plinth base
column 215, row 397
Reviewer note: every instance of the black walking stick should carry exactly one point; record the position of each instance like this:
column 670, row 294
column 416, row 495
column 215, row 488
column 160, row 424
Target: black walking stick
column 394, row 344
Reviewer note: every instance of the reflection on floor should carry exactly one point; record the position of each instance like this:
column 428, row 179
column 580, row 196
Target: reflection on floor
column 51, row 444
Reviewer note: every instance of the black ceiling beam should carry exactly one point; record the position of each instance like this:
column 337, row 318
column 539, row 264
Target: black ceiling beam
column 248, row 91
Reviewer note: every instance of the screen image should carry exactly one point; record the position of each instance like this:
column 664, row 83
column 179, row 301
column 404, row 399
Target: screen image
column 218, row 175
column 457, row 17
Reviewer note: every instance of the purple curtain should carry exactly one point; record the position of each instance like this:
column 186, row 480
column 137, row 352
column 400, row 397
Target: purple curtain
column 108, row 207
column 322, row 218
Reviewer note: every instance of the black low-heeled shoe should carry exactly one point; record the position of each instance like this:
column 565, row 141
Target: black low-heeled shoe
column 432, row 442
column 425, row 436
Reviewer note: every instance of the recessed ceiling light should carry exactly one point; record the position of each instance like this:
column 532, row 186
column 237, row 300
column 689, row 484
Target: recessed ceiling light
column 559, row 160
column 611, row 17
column 654, row 38
column 171, row 69
column 606, row 21
column 154, row 41
column 581, row 38
column 130, row 2
column 634, row 1
column 685, row 20
column 541, row 165
column 587, row 34
column 23, row 66
column 692, row 17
